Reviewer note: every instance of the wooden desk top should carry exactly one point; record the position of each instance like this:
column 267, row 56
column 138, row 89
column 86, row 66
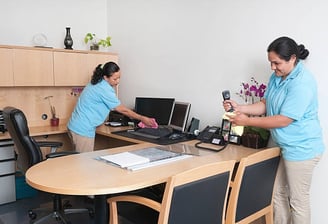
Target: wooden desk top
column 62, row 129
column 82, row 174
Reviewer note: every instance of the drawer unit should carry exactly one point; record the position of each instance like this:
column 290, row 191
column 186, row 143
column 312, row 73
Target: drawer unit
column 7, row 172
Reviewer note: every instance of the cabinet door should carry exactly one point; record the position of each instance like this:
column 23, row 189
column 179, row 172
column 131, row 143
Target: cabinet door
column 6, row 67
column 33, row 68
column 76, row 68
column 70, row 69
column 95, row 59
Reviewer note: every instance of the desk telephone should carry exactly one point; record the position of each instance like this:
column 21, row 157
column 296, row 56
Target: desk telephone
column 216, row 135
column 211, row 134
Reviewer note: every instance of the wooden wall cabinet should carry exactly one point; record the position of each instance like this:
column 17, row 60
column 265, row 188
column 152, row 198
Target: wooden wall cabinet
column 6, row 67
column 29, row 66
column 33, row 67
column 76, row 69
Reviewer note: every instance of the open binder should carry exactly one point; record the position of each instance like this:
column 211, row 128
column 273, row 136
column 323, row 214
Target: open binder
column 143, row 158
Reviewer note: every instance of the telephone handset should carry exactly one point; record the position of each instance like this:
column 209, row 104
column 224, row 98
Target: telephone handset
column 211, row 134
column 226, row 96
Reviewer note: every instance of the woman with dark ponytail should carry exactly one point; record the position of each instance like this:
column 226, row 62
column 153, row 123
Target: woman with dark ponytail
column 291, row 107
column 94, row 104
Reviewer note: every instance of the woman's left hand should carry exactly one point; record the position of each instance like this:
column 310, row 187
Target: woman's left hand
column 238, row 118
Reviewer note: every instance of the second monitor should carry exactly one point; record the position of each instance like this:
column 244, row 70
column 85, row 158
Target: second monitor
column 180, row 116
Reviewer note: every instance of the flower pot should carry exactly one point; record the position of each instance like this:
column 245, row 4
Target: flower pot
column 254, row 141
column 54, row 121
column 254, row 137
column 94, row 47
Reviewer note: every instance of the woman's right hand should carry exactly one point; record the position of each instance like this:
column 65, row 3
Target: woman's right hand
column 228, row 104
column 149, row 122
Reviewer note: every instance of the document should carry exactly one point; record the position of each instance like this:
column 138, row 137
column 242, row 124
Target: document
column 143, row 158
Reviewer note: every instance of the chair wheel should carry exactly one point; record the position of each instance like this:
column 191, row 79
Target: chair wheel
column 32, row 214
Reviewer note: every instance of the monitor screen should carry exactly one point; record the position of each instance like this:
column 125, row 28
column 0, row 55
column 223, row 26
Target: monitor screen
column 180, row 115
column 158, row 108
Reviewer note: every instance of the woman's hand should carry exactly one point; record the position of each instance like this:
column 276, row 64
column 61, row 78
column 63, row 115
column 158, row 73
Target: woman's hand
column 238, row 119
column 149, row 122
column 230, row 104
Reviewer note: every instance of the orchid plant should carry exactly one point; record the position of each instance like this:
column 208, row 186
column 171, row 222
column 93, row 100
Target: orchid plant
column 252, row 92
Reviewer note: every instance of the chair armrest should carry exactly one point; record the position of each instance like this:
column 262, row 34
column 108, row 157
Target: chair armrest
column 53, row 145
column 49, row 144
column 59, row 154
column 129, row 198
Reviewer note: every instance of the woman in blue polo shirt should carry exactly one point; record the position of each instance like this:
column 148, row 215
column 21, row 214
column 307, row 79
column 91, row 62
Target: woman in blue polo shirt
column 94, row 104
column 291, row 107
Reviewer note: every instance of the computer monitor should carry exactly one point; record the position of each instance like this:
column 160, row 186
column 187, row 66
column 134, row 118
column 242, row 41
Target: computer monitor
column 180, row 116
column 158, row 108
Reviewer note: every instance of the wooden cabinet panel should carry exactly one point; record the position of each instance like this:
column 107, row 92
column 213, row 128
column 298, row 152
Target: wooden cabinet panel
column 28, row 66
column 96, row 59
column 70, row 69
column 6, row 67
column 76, row 69
column 33, row 68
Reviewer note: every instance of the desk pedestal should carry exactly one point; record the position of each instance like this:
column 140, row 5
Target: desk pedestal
column 101, row 209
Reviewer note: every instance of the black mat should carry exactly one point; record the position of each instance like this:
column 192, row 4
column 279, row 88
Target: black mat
column 162, row 141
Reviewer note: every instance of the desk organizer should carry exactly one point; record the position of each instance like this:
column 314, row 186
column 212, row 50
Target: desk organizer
column 7, row 172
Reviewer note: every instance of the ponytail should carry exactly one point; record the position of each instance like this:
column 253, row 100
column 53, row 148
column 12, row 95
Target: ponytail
column 102, row 70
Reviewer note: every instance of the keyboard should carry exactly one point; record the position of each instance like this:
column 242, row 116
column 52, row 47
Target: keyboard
column 152, row 133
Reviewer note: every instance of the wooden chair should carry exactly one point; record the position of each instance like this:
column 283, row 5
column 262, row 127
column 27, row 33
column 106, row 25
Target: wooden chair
column 252, row 188
column 196, row 196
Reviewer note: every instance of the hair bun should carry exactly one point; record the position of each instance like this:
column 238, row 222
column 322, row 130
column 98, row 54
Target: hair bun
column 303, row 51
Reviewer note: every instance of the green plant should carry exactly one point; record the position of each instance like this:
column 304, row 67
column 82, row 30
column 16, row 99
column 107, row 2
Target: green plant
column 262, row 132
column 91, row 37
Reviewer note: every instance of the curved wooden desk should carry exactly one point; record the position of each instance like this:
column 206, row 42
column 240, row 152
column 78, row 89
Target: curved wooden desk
column 82, row 174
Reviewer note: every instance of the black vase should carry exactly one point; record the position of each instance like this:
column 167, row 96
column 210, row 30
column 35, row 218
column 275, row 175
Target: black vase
column 68, row 41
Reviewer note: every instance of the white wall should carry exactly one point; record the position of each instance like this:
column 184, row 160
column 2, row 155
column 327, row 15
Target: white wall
column 191, row 50
column 21, row 20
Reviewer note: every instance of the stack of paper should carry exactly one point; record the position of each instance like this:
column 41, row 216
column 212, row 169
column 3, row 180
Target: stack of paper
column 143, row 158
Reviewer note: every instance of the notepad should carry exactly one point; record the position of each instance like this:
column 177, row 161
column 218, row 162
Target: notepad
column 143, row 158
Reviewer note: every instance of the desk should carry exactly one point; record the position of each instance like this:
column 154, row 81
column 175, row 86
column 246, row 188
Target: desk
column 82, row 174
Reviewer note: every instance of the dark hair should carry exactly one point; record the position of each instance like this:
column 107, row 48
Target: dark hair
column 104, row 70
column 285, row 47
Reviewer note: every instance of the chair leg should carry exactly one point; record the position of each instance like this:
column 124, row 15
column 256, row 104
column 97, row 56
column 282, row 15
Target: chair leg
column 54, row 215
column 58, row 213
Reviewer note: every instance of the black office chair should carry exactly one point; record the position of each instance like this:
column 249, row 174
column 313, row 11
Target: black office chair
column 29, row 153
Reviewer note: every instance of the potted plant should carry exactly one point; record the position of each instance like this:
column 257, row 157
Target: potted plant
column 95, row 42
column 253, row 137
column 54, row 121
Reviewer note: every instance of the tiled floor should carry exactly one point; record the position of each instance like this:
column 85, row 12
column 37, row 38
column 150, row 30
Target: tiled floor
column 17, row 212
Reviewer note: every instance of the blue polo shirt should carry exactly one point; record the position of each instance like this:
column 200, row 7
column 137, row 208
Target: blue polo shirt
column 92, row 108
column 296, row 98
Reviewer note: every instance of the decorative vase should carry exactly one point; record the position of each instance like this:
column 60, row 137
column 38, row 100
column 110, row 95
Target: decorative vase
column 68, row 41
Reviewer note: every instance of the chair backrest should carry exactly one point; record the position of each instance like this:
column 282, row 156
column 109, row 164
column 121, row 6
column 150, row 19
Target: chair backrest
column 198, row 195
column 28, row 151
column 252, row 187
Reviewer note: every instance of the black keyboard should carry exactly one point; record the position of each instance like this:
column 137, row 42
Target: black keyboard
column 153, row 133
